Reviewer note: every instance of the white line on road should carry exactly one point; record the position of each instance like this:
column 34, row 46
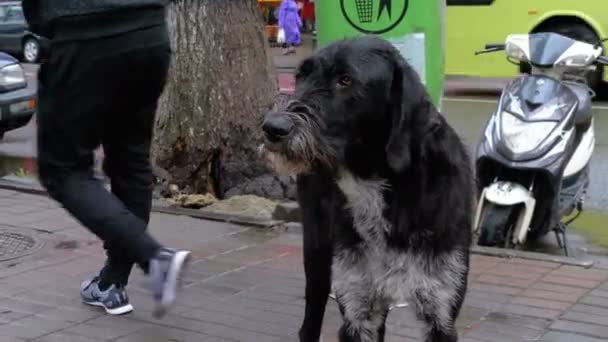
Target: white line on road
column 477, row 100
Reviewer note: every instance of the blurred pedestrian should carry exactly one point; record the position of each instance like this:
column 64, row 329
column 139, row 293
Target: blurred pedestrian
column 291, row 23
column 308, row 15
column 100, row 84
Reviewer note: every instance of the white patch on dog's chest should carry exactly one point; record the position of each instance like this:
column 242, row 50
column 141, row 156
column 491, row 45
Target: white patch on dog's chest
column 372, row 269
column 365, row 201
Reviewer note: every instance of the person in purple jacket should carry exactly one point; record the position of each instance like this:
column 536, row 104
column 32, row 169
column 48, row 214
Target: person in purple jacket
column 290, row 22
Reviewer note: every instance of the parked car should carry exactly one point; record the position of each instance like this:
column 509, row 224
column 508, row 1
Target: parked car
column 15, row 38
column 17, row 102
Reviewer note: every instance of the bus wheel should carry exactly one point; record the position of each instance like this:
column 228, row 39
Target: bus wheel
column 579, row 32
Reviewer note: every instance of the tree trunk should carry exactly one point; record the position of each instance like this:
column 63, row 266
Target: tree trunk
column 220, row 83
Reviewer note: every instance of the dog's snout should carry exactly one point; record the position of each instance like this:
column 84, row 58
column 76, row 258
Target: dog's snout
column 277, row 126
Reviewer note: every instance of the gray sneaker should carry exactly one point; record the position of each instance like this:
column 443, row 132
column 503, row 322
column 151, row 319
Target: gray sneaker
column 165, row 271
column 114, row 300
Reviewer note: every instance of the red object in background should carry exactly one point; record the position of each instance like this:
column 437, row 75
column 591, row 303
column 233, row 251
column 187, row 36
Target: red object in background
column 308, row 11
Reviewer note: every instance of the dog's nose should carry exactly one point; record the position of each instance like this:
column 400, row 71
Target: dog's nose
column 277, row 126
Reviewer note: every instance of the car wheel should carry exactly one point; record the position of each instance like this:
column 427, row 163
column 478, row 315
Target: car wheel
column 1, row 135
column 31, row 50
column 582, row 33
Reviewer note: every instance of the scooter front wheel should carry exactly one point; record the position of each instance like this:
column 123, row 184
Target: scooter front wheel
column 496, row 226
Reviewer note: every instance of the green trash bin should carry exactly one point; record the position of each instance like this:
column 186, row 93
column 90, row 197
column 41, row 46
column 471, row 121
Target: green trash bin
column 415, row 27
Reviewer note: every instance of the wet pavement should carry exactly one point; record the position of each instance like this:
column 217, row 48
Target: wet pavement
column 247, row 284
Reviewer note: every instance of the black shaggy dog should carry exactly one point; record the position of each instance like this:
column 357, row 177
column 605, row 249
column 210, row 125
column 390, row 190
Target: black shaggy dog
column 385, row 188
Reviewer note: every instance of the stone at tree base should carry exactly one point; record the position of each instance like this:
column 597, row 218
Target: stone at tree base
column 246, row 205
column 287, row 211
column 195, row 201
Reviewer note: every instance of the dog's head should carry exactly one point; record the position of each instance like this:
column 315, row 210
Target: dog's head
column 355, row 102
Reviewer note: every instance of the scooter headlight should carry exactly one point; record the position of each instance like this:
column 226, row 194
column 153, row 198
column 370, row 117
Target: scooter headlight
column 520, row 136
column 576, row 61
column 515, row 51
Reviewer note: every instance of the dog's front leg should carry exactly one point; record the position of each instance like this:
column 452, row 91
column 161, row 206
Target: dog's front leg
column 317, row 267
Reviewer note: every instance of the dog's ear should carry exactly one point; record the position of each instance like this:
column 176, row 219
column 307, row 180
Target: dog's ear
column 407, row 99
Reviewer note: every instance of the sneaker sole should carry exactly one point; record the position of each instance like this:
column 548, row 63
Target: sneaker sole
column 115, row 312
column 178, row 264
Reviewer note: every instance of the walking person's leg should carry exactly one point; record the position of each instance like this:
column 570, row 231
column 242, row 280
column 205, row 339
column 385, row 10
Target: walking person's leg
column 81, row 91
column 127, row 163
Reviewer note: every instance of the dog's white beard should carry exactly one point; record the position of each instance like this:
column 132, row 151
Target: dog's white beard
column 281, row 165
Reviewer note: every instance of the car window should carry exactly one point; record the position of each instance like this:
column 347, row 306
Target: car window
column 2, row 13
column 14, row 13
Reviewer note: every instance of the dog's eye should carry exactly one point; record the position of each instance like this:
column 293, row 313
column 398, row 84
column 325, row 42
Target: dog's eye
column 345, row 81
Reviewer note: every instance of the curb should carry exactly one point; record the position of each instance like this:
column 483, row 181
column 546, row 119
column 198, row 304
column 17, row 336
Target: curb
column 37, row 189
column 20, row 186
column 217, row 216
column 511, row 253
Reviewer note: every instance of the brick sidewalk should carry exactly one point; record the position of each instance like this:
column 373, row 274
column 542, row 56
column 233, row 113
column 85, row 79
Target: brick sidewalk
column 247, row 285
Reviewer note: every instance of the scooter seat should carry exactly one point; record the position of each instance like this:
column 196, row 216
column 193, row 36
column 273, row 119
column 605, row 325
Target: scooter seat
column 583, row 113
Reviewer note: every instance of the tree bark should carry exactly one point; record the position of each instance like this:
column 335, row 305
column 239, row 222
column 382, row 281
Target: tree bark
column 220, row 83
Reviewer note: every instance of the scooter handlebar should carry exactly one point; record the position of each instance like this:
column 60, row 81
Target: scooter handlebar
column 495, row 46
column 491, row 48
column 603, row 60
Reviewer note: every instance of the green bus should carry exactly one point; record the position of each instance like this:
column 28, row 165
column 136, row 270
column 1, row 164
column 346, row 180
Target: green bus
column 470, row 24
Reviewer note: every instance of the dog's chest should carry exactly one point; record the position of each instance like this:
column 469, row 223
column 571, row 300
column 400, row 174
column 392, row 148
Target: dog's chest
column 365, row 202
column 374, row 267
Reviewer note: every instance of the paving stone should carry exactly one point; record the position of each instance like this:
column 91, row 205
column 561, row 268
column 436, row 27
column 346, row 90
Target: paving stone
column 517, row 271
column 559, row 288
column 498, row 332
column 261, row 327
column 470, row 315
column 71, row 314
column 541, row 303
column 7, row 338
column 22, row 306
column 506, row 281
column 585, row 318
column 591, row 330
column 63, row 337
column 530, row 311
column 595, row 301
column 101, row 332
column 162, row 334
column 594, row 310
column 599, row 293
column 534, row 263
column 489, row 288
column 245, row 335
column 401, row 333
column 581, row 273
column 518, row 321
column 567, row 281
column 32, row 327
column 555, row 336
